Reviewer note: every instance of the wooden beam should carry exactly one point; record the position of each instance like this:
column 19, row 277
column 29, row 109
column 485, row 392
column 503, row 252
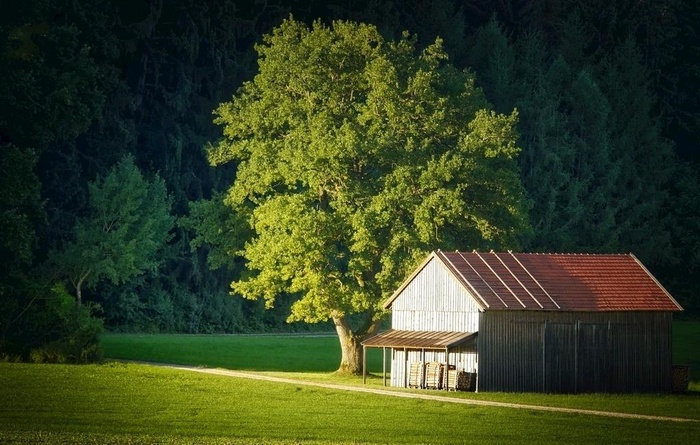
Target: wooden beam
column 384, row 365
column 364, row 364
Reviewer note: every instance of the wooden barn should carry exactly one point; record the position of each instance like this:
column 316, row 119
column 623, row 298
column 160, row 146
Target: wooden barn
column 561, row 323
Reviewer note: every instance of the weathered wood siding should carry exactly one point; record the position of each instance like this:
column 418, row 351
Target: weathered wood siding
column 463, row 358
column 435, row 301
column 575, row 352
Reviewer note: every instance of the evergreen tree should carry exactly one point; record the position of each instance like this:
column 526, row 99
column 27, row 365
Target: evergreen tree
column 646, row 160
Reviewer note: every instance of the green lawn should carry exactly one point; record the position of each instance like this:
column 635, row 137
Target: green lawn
column 292, row 353
column 314, row 358
column 686, row 347
column 130, row 403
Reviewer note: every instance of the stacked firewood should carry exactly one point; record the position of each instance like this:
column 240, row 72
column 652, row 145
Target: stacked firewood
column 433, row 375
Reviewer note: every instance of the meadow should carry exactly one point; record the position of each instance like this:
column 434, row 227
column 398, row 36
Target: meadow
column 127, row 403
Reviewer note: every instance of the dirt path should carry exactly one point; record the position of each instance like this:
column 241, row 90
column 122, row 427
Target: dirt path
column 413, row 395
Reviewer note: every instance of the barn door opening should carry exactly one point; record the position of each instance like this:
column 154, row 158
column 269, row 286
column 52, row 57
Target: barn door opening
column 560, row 357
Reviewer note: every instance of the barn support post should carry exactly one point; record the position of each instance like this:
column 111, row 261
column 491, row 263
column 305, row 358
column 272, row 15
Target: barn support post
column 384, row 365
column 447, row 370
column 364, row 364
column 405, row 367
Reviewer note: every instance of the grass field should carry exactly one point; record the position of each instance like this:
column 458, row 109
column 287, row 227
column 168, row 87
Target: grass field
column 289, row 353
column 131, row 403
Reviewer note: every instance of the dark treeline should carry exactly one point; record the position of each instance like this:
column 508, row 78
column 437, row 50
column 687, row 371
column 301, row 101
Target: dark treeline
column 106, row 107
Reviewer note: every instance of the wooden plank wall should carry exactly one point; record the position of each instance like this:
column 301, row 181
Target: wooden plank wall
column 435, row 301
column 575, row 352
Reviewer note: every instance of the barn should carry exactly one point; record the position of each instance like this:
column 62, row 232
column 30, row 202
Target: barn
column 525, row 322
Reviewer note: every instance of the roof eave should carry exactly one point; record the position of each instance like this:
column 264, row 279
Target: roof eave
column 680, row 308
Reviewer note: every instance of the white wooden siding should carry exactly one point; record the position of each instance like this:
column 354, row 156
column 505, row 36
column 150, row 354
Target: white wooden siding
column 435, row 301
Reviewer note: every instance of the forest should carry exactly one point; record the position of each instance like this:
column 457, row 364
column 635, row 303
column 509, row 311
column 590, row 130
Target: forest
column 112, row 214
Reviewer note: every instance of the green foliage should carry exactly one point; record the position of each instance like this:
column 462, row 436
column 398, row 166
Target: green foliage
column 128, row 224
column 72, row 331
column 218, row 228
column 358, row 156
column 84, row 83
column 594, row 164
column 21, row 214
column 53, row 83
column 54, row 328
column 20, row 205
column 646, row 164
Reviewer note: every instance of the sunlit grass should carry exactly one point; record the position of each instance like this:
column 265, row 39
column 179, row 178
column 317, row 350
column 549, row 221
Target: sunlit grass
column 129, row 403
column 314, row 358
column 295, row 353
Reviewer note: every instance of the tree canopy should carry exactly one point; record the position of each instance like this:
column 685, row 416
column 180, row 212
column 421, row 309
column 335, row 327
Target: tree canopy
column 355, row 157
column 128, row 222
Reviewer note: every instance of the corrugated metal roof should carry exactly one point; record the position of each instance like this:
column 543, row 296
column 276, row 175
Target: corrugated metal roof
column 553, row 282
column 418, row 339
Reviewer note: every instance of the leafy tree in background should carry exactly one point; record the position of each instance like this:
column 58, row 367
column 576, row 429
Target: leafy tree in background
column 355, row 157
column 128, row 224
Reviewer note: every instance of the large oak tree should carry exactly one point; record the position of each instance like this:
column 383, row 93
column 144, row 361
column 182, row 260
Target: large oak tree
column 355, row 157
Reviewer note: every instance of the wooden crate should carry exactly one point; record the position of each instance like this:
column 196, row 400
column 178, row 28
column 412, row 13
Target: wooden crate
column 450, row 382
column 416, row 375
column 433, row 375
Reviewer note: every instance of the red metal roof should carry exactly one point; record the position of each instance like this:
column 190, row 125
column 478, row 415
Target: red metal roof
column 553, row 282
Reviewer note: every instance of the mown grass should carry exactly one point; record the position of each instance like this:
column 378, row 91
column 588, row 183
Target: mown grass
column 289, row 353
column 131, row 403
column 686, row 347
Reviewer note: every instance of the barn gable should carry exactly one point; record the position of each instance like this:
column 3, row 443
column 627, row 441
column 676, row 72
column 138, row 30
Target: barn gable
column 433, row 299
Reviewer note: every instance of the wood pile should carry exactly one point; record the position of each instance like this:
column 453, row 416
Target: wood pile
column 433, row 375
column 416, row 374
column 681, row 378
column 459, row 380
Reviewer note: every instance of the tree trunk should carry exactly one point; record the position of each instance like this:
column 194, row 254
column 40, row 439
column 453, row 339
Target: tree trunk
column 79, row 293
column 79, row 287
column 351, row 347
